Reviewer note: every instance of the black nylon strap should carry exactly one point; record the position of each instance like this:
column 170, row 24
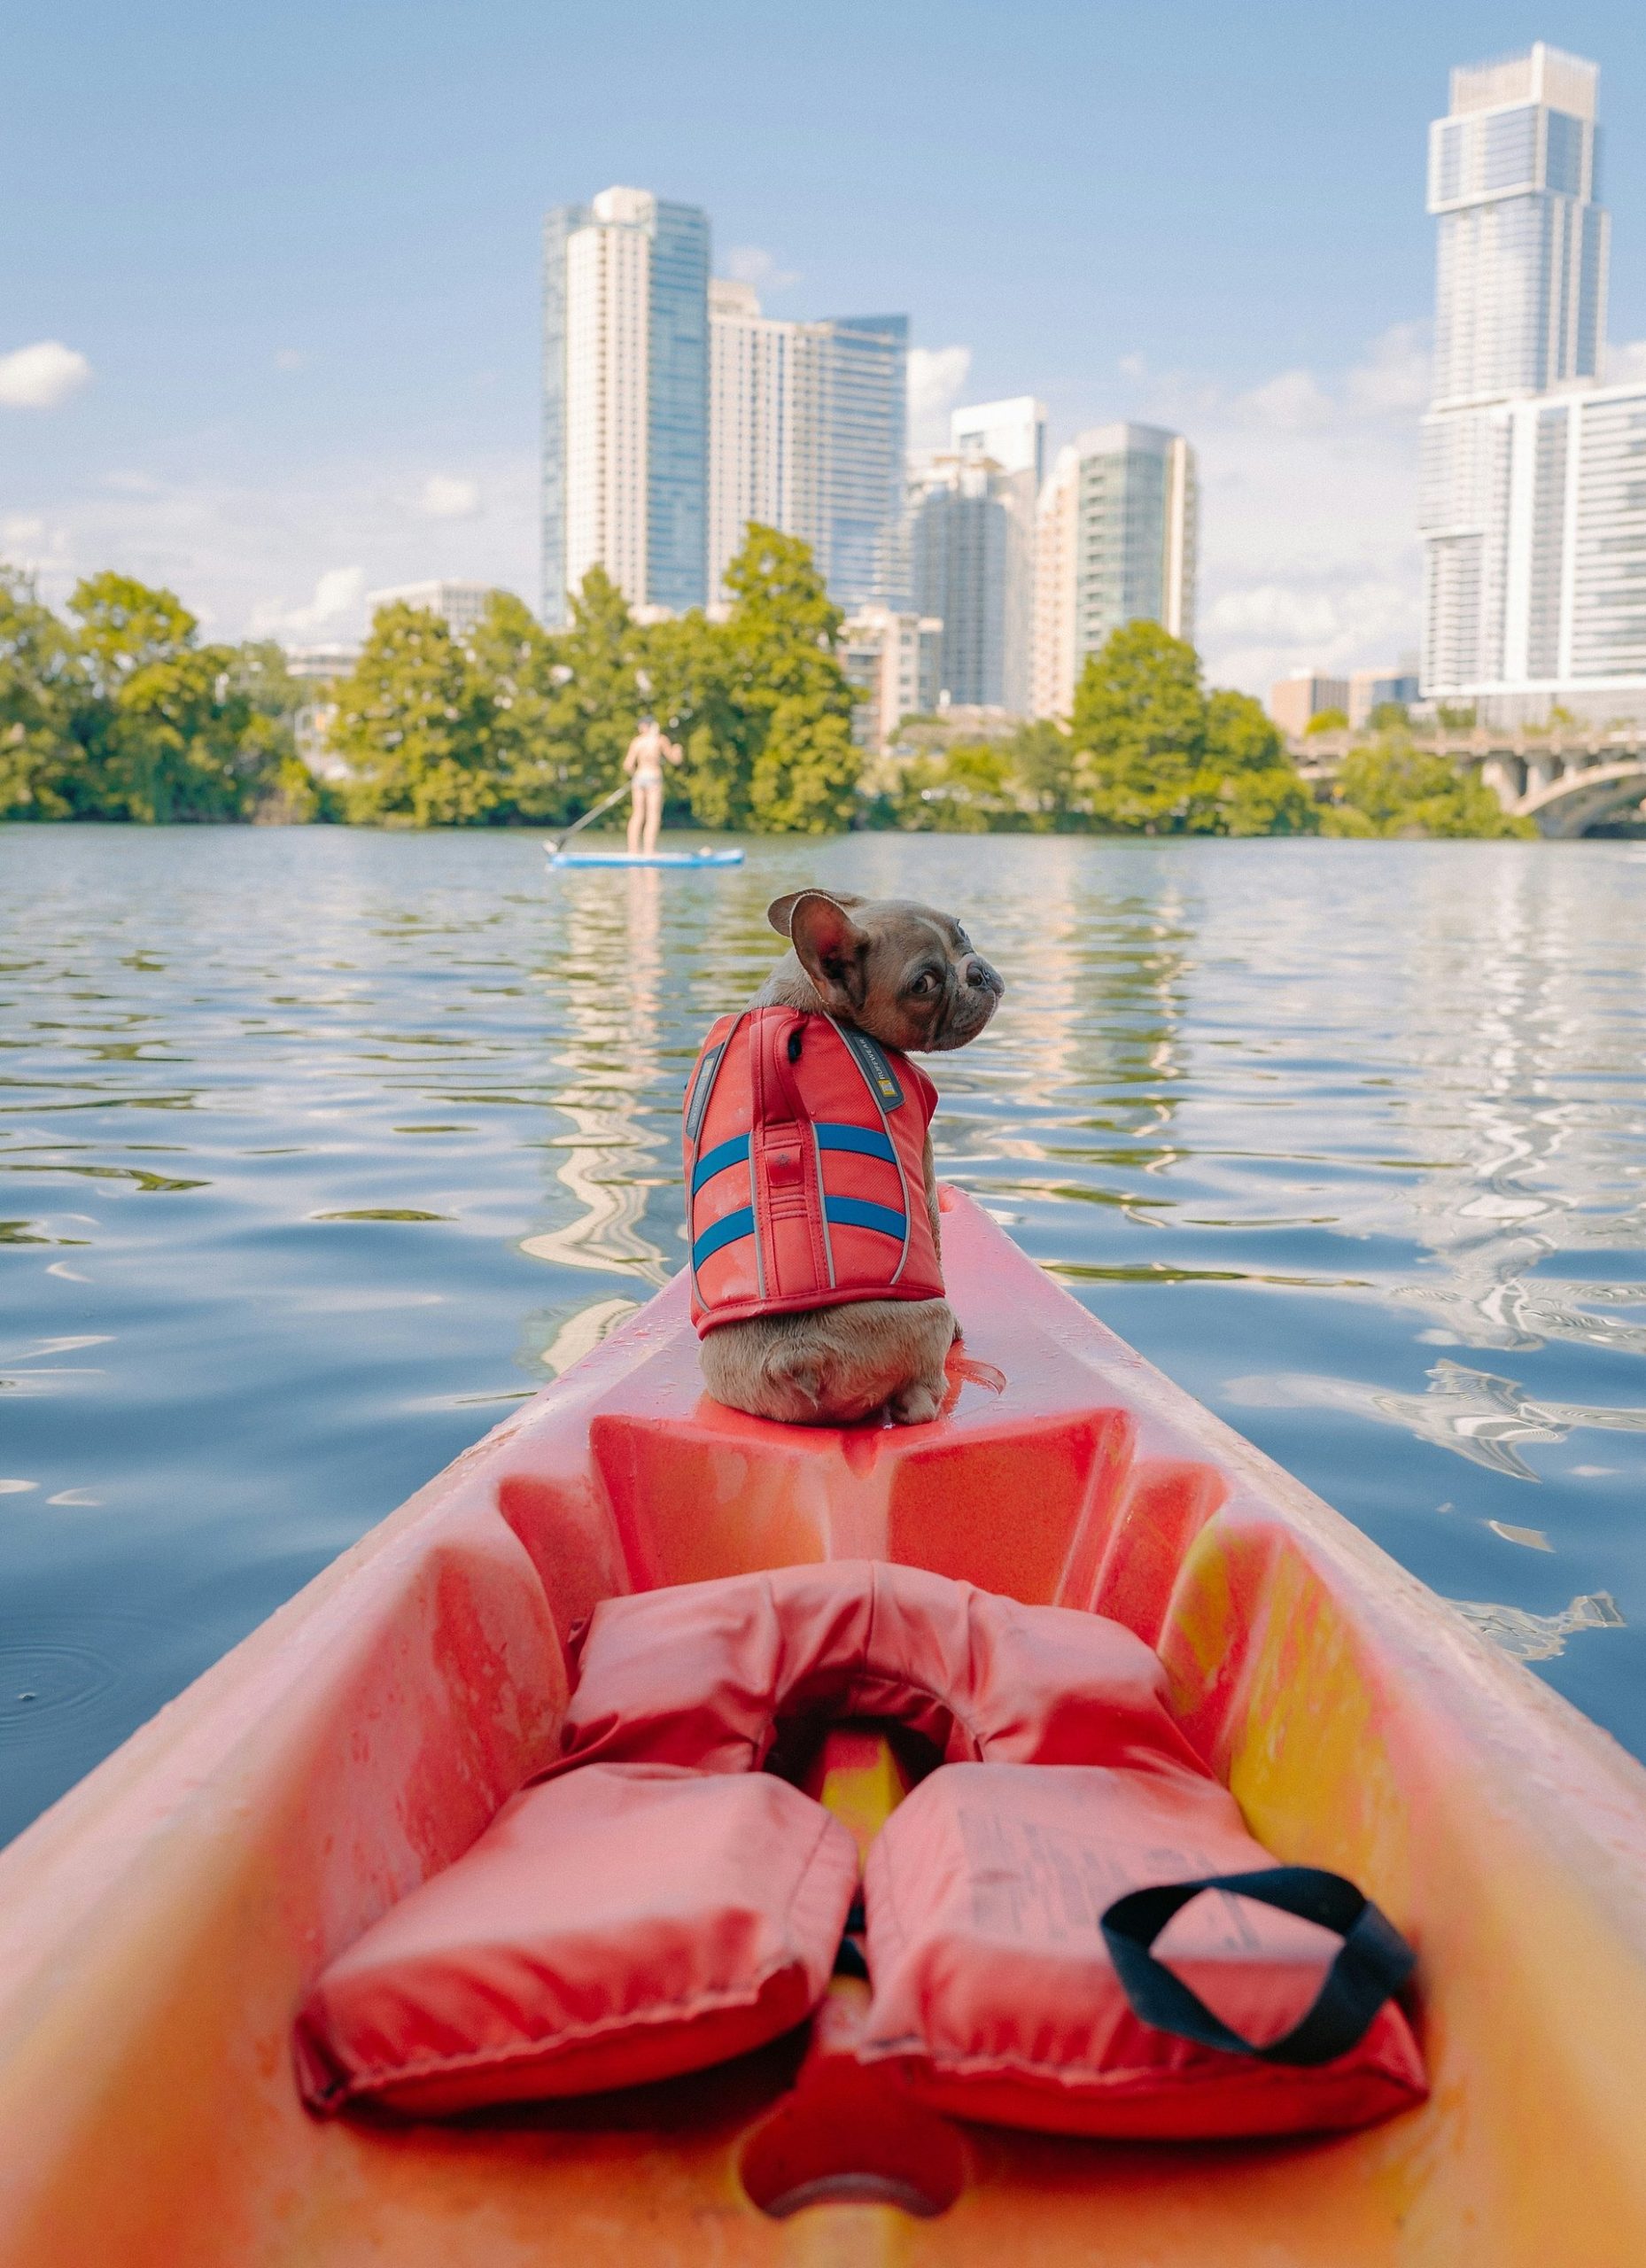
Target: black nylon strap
column 1372, row 1963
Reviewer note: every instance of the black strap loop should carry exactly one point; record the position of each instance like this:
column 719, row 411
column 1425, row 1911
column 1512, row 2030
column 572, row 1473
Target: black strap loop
column 1372, row 1963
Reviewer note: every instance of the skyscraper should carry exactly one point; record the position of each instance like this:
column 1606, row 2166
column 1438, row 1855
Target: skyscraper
column 625, row 399
column 1013, row 432
column 806, row 433
column 970, row 548
column 1115, row 543
column 1535, row 571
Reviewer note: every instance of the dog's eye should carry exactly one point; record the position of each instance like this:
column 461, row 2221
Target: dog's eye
column 924, row 984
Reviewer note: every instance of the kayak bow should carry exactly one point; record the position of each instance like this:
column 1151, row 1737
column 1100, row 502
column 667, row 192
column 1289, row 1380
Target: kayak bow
column 160, row 1927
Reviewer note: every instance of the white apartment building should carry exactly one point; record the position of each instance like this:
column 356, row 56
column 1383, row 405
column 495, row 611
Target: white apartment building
column 1012, row 433
column 893, row 659
column 459, row 605
column 625, row 399
column 1532, row 512
column 753, row 385
column 1116, row 543
column 806, row 434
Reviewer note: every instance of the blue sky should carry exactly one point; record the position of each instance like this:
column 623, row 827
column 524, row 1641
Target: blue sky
column 297, row 249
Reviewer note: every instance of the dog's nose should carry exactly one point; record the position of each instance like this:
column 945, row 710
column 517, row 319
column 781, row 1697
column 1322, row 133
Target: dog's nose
column 981, row 978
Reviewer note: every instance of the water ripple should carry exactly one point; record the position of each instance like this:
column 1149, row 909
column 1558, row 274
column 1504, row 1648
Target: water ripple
column 1349, row 1139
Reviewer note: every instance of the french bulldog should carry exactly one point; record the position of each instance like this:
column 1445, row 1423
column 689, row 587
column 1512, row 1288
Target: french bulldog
column 910, row 977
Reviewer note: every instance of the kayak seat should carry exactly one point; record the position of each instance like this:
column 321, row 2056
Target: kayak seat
column 1010, row 1917
column 1049, row 1938
column 731, row 1674
column 627, row 1923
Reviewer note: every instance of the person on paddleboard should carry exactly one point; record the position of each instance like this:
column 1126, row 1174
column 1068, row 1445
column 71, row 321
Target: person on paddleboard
column 649, row 750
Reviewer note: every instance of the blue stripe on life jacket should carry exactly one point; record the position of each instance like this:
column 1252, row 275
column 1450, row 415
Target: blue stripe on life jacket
column 735, row 1225
column 715, row 1160
column 867, row 1142
column 854, row 1213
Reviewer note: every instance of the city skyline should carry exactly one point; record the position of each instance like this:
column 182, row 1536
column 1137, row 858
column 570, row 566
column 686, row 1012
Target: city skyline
column 1533, row 518
column 1247, row 268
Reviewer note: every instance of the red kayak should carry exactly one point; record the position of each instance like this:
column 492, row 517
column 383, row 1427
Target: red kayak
column 161, row 1927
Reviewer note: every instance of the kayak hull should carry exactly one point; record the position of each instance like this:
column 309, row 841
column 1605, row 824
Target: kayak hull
column 160, row 1927
column 733, row 858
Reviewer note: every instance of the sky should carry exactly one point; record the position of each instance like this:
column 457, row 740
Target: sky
column 270, row 288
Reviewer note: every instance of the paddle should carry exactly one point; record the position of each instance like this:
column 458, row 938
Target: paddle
column 556, row 842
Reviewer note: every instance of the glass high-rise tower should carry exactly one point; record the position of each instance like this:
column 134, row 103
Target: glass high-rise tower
column 1534, row 543
column 806, row 434
column 1117, row 542
column 1522, row 253
column 625, row 399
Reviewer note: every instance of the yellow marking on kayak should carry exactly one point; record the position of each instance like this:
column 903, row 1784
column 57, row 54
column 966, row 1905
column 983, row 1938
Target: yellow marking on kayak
column 859, row 1778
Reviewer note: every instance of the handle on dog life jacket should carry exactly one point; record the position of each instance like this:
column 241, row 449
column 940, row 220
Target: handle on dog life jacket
column 1372, row 1963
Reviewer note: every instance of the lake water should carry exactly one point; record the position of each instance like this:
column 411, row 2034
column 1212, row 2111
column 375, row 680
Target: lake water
column 322, row 1147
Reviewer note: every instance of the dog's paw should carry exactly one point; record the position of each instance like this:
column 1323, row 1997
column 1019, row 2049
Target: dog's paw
column 914, row 1404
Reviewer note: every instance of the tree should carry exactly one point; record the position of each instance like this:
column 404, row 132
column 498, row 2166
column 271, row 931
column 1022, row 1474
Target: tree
column 43, row 771
column 1392, row 787
column 1043, row 760
column 593, row 722
column 411, row 722
column 1326, row 720
column 529, row 722
column 168, row 732
column 690, row 669
column 972, row 787
column 1259, row 790
column 1153, row 754
column 790, row 699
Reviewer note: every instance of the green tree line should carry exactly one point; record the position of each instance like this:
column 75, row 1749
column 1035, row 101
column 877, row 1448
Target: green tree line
column 121, row 711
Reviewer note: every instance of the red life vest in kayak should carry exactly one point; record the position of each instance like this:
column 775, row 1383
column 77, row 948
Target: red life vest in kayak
column 804, row 1149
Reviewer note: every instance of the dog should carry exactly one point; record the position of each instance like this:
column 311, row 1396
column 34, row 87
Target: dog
column 864, row 984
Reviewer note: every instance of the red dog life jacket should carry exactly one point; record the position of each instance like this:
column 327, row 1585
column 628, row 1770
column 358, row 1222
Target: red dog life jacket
column 805, row 1143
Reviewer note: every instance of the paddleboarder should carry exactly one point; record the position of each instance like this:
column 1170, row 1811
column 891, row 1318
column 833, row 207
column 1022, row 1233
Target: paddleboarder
column 649, row 750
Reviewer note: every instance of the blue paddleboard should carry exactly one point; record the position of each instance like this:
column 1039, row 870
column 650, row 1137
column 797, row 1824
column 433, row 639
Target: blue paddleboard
column 704, row 857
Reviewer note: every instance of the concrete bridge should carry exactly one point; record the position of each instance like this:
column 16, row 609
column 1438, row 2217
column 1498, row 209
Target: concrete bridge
column 1567, row 779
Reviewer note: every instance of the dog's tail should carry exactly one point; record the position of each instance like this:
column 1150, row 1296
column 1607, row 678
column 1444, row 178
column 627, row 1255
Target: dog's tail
column 793, row 1374
column 788, row 1374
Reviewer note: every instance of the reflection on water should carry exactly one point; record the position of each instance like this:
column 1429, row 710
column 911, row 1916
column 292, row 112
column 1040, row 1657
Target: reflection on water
column 322, row 1147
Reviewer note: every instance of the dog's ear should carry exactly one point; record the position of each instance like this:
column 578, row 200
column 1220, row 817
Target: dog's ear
column 780, row 911
column 833, row 950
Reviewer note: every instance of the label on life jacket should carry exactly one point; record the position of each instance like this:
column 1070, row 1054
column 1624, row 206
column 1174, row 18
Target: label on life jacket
column 805, row 1148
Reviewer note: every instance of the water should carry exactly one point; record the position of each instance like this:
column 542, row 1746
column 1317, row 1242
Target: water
column 321, row 1148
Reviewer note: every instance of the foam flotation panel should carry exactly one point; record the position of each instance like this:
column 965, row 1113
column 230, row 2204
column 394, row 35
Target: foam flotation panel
column 707, row 1674
column 627, row 1923
column 996, row 1987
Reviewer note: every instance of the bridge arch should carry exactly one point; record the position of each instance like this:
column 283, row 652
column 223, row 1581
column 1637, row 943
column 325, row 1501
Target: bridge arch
column 1581, row 796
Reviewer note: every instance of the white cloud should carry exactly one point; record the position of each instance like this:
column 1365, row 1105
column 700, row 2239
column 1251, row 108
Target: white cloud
column 18, row 530
column 336, row 597
column 1308, row 487
column 1396, row 372
column 1626, row 362
column 444, row 498
column 1134, row 367
column 1293, row 402
column 42, row 376
column 748, row 264
column 936, row 374
column 291, row 357
column 246, row 555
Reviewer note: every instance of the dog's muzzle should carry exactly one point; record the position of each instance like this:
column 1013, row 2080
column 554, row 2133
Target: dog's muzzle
column 975, row 998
